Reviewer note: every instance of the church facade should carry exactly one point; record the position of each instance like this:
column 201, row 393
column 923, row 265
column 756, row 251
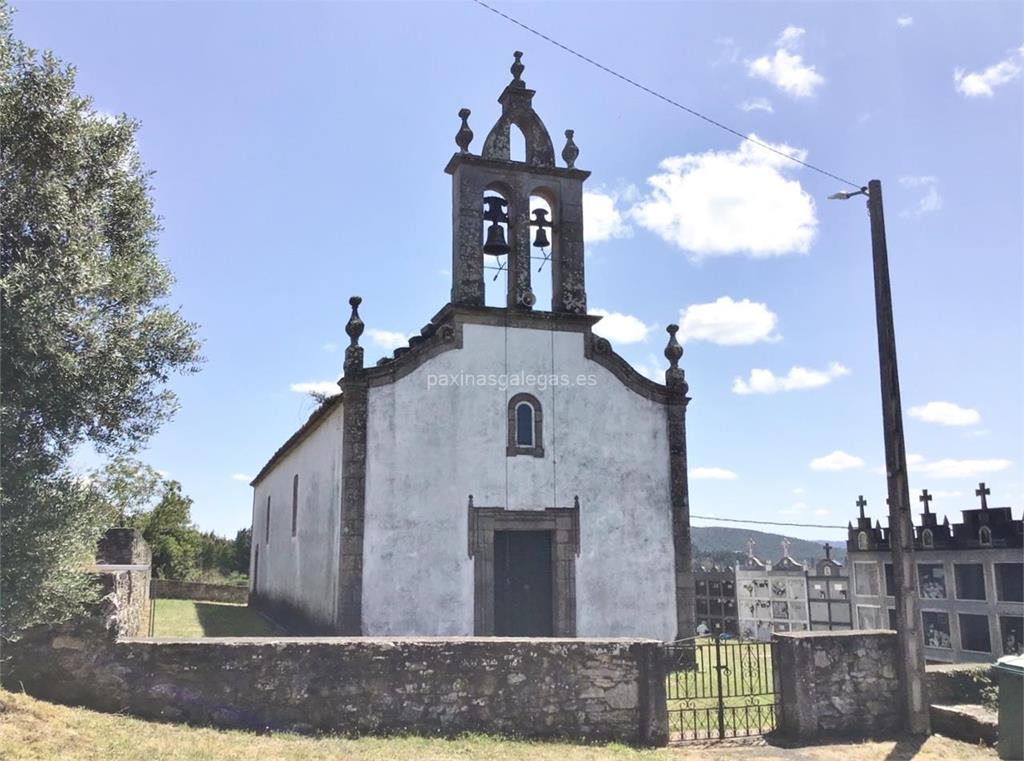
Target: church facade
column 506, row 473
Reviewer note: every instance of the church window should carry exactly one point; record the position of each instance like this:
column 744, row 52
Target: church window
column 927, row 540
column 862, row 540
column 295, row 504
column 525, row 426
column 828, row 570
column 985, row 536
column 267, row 538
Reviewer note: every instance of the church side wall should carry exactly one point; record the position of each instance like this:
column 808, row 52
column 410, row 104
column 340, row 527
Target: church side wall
column 296, row 582
column 438, row 435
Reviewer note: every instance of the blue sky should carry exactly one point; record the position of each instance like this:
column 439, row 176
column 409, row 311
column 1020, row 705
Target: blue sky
column 299, row 149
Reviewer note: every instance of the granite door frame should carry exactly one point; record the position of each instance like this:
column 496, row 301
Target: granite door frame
column 564, row 525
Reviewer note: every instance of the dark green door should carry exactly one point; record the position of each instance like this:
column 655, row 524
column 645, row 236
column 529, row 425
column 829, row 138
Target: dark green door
column 522, row 584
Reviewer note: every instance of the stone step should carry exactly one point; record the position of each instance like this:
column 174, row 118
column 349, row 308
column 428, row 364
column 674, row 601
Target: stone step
column 968, row 722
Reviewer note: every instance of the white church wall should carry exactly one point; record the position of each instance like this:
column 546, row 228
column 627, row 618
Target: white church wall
column 602, row 441
column 298, row 574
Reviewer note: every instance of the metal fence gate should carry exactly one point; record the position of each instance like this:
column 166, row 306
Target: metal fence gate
column 720, row 688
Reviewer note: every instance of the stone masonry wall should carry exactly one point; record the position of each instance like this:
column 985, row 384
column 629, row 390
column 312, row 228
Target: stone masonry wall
column 126, row 599
column 123, row 546
column 837, row 684
column 581, row 689
column 171, row 589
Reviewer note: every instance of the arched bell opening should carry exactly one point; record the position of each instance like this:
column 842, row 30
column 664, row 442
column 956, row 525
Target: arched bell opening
column 495, row 243
column 543, row 246
column 516, row 143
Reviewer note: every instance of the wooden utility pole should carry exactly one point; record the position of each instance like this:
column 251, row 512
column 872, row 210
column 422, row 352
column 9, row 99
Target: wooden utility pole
column 910, row 643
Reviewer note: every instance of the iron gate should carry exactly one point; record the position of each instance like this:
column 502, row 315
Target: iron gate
column 719, row 688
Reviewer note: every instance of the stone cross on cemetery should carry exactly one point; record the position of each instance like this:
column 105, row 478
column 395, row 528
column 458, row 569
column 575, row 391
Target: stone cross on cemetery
column 926, row 498
column 750, row 547
column 828, row 551
column 785, row 547
column 861, row 502
column 983, row 492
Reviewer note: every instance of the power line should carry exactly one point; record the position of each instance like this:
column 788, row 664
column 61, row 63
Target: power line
column 665, row 98
column 767, row 523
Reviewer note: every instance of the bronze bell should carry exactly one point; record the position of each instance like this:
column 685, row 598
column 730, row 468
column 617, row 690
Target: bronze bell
column 496, row 245
column 540, row 221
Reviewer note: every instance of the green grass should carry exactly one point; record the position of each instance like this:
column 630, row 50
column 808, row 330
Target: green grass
column 188, row 619
column 746, row 687
column 33, row 729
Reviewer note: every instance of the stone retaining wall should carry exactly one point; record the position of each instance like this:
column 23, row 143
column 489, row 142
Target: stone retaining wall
column 837, row 684
column 172, row 589
column 580, row 689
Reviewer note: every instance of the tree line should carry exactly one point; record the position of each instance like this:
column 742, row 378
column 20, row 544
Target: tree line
column 135, row 495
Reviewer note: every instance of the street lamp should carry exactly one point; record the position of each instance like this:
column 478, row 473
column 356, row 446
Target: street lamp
column 901, row 531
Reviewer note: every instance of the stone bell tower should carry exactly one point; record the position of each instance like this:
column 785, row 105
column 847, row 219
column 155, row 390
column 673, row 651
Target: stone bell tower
column 494, row 189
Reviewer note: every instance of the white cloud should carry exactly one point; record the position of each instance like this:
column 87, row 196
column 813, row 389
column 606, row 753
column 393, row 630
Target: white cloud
column 715, row 474
column 931, row 201
column 766, row 382
column 945, row 413
column 728, row 323
column 790, row 37
column 757, row 104
column 328, row 388
column 821, row 511
column 947, row 494
column 837, row 460
column 950, row 468
column 721, row 203
column 795, row 509
column 620, row 328
column 905, row 21
column 982, row 84
column 387, row 339
column 241, row 477
column 653, row 368
column 799, row 490
column 786, row 69
column 330, row 347
column 602, row 219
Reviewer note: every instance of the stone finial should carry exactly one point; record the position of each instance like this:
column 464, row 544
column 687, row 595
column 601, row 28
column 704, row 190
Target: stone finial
column 570, row 152
column 470, row 500
column 675, row 378
column 785, row 547
column 750, row 547
column 465, row 135
column 925, row 498
column 354, row 328
column 517, row 69
column 828, row 551
column 576, row 501
column 861, row 502
column 673, row 351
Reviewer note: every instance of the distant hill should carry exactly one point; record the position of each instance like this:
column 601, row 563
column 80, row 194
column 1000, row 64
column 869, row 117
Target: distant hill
column 717, row 543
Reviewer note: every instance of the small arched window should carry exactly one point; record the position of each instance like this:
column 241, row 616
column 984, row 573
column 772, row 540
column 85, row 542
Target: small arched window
column 525, row 426
column 985, row 536
column 927, row 540
column 862, row 540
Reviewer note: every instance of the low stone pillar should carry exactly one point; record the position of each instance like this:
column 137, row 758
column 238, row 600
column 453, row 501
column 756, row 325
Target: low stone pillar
column 837, row 684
